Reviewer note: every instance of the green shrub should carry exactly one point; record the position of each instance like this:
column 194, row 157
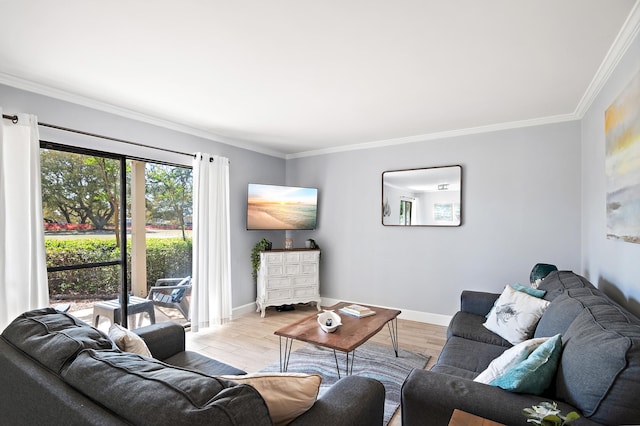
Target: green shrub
column 166, row 258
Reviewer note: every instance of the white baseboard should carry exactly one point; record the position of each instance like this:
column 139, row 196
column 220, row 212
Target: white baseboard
column 244, row 309
column 406, row 314
column 409, row 315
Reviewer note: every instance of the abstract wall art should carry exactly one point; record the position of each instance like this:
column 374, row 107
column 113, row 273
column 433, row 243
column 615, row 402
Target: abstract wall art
column 622, row 162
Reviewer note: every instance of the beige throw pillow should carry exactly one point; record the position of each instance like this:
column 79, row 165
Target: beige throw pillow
column 287, row 395
column 128, row 341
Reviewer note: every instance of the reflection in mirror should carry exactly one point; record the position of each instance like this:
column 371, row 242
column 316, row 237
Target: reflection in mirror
column 422, row 197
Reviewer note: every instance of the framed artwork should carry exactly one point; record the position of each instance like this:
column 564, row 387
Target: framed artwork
column 622, row 163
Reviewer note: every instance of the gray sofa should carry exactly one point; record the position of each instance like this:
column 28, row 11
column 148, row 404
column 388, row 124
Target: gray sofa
column 56, row 369
column 598, row 373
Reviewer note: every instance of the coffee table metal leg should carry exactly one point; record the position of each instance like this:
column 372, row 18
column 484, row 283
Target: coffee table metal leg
column 284, row 361
column 393, row 331
column 349, row 364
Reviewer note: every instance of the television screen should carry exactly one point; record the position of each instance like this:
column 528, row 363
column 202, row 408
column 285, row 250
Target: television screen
column 281, row 207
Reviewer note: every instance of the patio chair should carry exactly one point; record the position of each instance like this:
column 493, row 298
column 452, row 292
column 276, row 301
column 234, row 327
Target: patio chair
column 176, row 296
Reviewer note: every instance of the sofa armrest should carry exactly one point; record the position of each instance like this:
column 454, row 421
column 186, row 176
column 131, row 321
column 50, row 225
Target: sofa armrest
column 477, row 302
column 163, row 339
column 351, row 401
column 429, row 397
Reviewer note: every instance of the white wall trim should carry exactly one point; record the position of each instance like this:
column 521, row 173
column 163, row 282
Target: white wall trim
column 625, row 37
column 244, row 309
column 40, row 89
column 620, row 45
column 440, row 135
column 409, row 315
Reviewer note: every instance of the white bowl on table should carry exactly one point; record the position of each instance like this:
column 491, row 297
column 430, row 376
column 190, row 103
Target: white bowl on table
column 329, row 321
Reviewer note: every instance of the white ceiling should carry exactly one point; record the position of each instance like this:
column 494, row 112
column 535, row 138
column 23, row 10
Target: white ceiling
column 295, row 77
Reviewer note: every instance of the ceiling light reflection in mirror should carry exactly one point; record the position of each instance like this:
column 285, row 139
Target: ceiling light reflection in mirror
column 430, row 196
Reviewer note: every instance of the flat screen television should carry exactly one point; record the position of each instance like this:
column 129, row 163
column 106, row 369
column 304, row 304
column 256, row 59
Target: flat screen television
column 276, row 207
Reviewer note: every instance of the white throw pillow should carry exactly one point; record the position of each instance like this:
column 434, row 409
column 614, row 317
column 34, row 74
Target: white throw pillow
column 509, row 358
column 516, row 315
column 128, row 341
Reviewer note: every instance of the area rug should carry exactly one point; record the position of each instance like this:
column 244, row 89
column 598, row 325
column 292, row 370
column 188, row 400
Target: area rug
column 371, row 360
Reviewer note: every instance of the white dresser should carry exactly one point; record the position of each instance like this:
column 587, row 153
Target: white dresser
column 286, row 277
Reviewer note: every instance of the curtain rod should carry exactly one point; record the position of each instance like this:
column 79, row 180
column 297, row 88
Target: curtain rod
column 14, row 120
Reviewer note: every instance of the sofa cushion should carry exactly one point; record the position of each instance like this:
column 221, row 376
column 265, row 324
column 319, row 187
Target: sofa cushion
column 558, row 282
column 128, row 341
column 565, row 308
column 600, row 365
column 135, row 387
column 534, row 374
column 198, row 362
column 54, row 338
column 468, row 355
column 470, row 326
column 509, row 359
column 287, row 395
column 515, row 315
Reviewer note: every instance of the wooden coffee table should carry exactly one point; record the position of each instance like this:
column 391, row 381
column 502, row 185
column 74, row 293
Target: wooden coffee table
column 352, row 333
column 462, row 418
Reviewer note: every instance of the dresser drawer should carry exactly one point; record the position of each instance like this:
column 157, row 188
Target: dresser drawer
column 310, row 256
column 305, row 291
column 284, row 293
column 275, row 270
column 305, row 280
column 292, row 257
column 278, row 282
column 309, row 268
column 292, row 269
column 273, row 257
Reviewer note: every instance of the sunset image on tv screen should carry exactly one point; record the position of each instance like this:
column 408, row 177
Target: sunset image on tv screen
column 281, row 207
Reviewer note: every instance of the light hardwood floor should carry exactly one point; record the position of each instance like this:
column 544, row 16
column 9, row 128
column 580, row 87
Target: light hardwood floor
column 248, row 341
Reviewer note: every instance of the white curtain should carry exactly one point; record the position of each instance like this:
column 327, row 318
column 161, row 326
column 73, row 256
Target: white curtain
column 23, row 271
column 211, row 293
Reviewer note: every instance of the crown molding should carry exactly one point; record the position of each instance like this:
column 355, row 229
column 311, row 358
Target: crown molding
column 628, row 32
column 439, row 135
column 625, row 37
column 41, row 89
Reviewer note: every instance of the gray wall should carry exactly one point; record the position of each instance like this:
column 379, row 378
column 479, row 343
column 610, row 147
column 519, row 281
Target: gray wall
column 521, row 205
column 246, row 166
column 530, row 195
column 613, row 265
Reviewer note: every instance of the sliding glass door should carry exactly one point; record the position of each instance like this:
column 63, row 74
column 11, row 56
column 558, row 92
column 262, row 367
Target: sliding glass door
column 113, row 225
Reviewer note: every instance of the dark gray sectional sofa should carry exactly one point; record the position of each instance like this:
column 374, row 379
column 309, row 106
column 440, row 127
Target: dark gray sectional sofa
column 58, row 370
column 598, row 373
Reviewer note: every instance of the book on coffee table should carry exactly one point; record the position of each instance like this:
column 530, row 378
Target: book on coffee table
column 357, row 311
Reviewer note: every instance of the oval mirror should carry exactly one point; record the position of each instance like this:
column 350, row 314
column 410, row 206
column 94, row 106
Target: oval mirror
column 430, row 196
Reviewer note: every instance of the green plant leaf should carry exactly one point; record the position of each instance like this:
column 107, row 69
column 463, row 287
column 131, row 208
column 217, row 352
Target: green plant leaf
column 571, row 417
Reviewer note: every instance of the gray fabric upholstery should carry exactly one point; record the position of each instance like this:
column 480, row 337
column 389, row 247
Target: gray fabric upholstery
column 600, row 366
column 558, row 282
column 197, row 362
column 31, row 394
column 136, row 386
column 116, row 384
column 477, row 302
column 598, row 374
column 564, row 310
column 163, row 339
column 429, row 398
column 468, row 354
column 54, row 338
column 469, row 326
column 334, row 407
